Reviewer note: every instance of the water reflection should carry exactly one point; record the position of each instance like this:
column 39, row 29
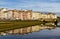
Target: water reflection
column 27, row 30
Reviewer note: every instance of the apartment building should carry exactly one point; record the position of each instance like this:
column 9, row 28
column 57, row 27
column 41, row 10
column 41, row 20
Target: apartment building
column 36, row 15
column 25, row 14
column 52, row 15
column 3, row 13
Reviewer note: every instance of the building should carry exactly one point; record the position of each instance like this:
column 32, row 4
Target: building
column 3, row 13
column 36, row 15
column 49, row 17
column 25, row 15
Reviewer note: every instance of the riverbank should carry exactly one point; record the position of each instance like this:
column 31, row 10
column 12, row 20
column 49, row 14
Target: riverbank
column 15, row 24
column 9, row 25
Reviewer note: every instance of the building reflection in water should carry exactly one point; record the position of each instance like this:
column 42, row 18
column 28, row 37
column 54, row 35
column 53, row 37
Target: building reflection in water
column 28, row 30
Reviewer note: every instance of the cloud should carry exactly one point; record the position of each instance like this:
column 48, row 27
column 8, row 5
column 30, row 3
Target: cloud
column 53, row 0
column 36, row 5
column 40, row 6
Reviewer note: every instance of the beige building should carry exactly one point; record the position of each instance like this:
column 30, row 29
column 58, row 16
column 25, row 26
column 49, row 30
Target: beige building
column 48, row 16
column 24, row 15
column 52, row 16
column 3, row 13
column 3, row 9
column 36, row 15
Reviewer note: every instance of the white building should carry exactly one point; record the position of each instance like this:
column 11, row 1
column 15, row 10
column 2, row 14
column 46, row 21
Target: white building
column 3, row 9
column 36, row 15
column 24, row 14
column 3, row 13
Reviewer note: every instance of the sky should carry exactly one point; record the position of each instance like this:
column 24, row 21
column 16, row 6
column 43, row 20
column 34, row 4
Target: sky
column 35, row 5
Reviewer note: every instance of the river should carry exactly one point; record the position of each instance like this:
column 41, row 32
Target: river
column 33, row 32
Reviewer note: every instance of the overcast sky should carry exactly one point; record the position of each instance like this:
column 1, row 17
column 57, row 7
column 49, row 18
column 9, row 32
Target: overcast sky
column 35, row 5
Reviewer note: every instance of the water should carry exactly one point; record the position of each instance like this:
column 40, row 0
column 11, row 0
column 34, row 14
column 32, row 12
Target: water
column 33, row 32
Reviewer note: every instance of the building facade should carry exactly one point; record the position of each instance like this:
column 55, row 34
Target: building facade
column 36, row 15
column 25, row 15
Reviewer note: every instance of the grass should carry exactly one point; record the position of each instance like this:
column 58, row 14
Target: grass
column 15, row 24
column 9, row 25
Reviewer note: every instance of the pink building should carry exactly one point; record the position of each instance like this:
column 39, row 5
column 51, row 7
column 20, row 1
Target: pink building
column 21, row 14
